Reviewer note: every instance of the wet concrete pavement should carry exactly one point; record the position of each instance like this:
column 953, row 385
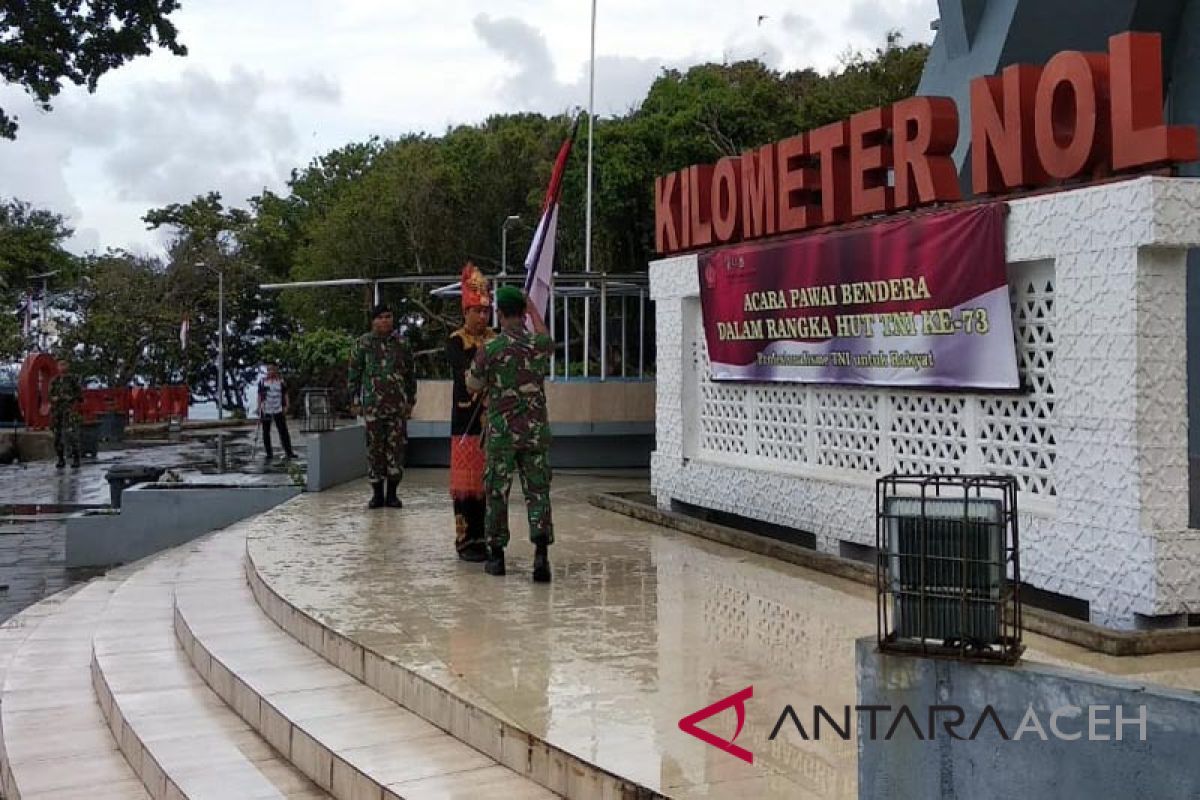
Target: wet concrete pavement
column 36, row 497
column 641, row 627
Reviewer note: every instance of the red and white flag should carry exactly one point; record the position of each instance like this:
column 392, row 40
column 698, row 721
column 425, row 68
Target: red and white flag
column 539, row 263
column 184, row 328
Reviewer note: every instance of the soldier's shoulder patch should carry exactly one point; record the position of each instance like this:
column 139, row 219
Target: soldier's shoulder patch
column 365, row 340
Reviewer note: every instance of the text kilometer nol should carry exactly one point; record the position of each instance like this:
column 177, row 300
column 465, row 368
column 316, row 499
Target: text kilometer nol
column 1081, row 116
column 951, row 718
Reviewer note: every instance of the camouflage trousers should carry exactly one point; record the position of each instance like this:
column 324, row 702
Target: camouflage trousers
column 533, row 466
column 65, row 425
column 386, row 438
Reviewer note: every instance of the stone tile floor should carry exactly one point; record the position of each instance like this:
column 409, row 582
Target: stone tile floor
column 33, row 541
column 641, row 627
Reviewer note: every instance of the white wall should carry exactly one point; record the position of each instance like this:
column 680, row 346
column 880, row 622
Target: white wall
column 1099, row 445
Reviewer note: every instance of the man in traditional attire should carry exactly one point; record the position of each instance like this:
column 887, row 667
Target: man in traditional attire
column 466, row 418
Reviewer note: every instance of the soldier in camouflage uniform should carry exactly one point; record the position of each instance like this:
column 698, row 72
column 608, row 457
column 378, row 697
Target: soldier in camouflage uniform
column 66, row 393
column 383, row 374
column 510, row 371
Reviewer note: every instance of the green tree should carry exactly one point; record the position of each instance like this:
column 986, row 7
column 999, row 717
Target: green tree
column 701, row 115
column 121, row 328
column 279, row 225
column 208, row 246
column 419, row 205
column 31, row 244
column 318, row 359
column 865, row 81
column 44, row 43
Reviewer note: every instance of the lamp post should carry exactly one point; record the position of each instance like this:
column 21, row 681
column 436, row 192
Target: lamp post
column 509, row 222
column 220, row 339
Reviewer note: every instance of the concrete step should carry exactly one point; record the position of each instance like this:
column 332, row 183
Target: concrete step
column 56, row 741
column 351, row 740
column 178, row 735
column 359, row 622
column 17, row 628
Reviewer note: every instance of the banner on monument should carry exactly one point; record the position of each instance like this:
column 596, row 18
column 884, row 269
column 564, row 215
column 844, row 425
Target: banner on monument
column 919, row 301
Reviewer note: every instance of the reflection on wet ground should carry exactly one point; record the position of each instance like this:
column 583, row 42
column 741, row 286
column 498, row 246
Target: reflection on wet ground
column 641, row 627
column 36, row 498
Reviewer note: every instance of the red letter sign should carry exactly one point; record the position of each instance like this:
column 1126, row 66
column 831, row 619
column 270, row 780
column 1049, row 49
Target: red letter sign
column 1072, row 117
column 1140, row 139
column 1003, row 151
column 870, row 157
column 925, row 132
column 666, row 213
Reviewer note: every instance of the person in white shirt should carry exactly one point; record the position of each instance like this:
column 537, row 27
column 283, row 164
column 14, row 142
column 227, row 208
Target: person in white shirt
column 273, row 405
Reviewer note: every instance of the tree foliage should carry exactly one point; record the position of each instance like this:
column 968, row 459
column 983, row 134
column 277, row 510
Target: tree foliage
column 45, row 43
column 414, row 205
column 421, row 204
column 208, row 247
column 31, row 244
column 318, row 359
column 121, row 327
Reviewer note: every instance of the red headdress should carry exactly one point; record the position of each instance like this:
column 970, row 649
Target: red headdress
column 474, row 288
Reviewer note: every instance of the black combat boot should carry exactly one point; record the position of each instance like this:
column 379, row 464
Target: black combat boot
column 75, row 462
column 495, row 562
column 61, row 463
column 541, row 564
column 392, row 500
column 376, row 500
column 475, row 552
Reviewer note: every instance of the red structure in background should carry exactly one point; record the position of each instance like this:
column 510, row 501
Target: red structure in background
column 145, row 403
column 138, row 404
column 175, row 401
column 33, row 388
column 103, row 401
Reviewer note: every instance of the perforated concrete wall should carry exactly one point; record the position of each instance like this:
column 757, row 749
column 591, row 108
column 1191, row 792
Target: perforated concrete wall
column 1098, row 445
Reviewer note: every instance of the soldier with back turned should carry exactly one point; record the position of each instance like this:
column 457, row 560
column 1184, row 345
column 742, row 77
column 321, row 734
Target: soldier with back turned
column 510, row 371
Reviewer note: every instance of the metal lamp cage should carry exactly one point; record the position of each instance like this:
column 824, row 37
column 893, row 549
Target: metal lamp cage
column 318, row 410
column 948, row 569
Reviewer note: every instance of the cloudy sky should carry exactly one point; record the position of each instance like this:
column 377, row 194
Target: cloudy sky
column 268, row 84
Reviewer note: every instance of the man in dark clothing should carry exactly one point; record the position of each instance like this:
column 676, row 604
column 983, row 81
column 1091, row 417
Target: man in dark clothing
column 383, row 377
column 273, row 407
column 510, row 371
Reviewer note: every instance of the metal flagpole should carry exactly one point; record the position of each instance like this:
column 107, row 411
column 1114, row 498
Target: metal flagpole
column 221, row 343
column 587, row 247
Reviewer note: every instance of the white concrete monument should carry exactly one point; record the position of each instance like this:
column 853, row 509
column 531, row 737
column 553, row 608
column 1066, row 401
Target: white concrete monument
column 1098, row 443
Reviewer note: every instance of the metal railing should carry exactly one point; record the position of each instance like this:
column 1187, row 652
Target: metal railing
column 613, row 310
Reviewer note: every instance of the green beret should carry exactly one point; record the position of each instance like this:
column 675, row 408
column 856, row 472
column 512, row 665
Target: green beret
column 510, row 296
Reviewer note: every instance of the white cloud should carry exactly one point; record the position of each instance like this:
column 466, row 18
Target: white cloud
column 317, row 87
column 876, row 18
column 621, row 81
column 290, row 80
